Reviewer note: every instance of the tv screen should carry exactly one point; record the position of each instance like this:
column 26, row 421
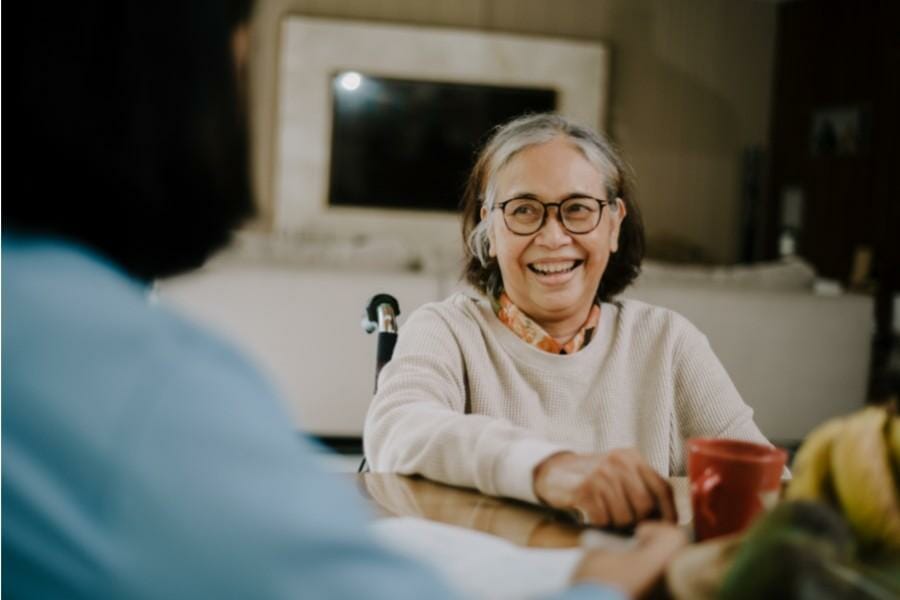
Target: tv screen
column 408, row 144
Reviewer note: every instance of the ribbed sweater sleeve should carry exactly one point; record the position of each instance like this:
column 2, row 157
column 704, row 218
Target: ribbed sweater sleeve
column 418, row 421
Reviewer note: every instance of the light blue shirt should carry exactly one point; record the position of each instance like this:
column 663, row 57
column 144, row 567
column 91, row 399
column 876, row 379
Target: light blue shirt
column 144, row 458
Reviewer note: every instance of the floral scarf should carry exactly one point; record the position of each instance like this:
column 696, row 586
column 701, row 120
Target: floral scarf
column 522, row 325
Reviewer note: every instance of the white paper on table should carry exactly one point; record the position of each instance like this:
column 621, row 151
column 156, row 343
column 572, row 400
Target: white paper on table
column 478, row 564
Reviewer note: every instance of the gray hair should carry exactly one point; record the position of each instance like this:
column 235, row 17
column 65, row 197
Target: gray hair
column 531, row 130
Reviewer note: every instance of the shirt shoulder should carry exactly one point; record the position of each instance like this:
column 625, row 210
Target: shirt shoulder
column 636, row 316
column 458, row 313
column 114, row 356
column 457, row 329
column 72, row 303
column 636, row 310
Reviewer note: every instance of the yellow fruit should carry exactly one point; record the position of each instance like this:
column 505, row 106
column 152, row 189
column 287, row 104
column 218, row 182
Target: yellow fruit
column 863, row 479
column 893, row 437
column 812, row 465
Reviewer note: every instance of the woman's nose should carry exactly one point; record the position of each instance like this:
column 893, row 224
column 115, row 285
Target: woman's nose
column 553, row 234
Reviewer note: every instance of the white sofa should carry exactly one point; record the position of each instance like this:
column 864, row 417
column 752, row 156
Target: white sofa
column 796, row 357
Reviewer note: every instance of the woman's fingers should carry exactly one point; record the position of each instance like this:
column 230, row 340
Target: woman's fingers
column 664, row 498
column 648, row 493
column 638, row 570
column 622, row 512
column 660, row 539
column 610, row 490
column 642, row 499
column 594, row 508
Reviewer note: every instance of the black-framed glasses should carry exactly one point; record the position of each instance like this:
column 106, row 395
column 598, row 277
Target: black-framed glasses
column 525, row 216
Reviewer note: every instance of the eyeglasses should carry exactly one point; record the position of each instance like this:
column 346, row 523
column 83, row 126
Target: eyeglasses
column 525, row 216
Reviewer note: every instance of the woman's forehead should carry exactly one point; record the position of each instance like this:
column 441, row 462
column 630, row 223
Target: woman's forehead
column 550, row 166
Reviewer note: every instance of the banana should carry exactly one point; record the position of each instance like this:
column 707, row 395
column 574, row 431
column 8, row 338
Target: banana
column 863, row 479
column 812, row 464
column 893, row 437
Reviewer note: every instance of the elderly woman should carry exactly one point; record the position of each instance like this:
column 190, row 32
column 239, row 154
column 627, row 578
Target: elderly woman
column 544, row 387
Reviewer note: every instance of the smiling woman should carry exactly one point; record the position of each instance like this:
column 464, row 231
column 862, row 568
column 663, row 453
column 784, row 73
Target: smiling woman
column 543, row 387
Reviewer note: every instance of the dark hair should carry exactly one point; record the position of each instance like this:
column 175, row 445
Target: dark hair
column 481, row 270
column 134, row 139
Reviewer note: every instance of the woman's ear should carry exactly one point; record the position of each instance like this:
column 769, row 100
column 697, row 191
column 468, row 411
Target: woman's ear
column 492, row 252
column 617, row 217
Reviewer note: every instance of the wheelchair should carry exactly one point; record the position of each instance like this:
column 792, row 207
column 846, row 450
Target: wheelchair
column 381, row 316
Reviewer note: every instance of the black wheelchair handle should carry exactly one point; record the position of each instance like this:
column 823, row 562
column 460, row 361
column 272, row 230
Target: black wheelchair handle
column 381, row 315
column 379, row 300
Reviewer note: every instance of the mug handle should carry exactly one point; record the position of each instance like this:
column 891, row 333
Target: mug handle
column 703, row 489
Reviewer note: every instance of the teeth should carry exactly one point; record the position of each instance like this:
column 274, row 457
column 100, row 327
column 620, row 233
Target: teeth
column 558, row 267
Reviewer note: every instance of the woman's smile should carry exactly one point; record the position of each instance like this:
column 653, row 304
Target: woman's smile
column 554, row 272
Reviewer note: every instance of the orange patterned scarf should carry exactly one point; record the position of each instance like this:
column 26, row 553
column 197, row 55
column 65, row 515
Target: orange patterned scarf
column 522, row 325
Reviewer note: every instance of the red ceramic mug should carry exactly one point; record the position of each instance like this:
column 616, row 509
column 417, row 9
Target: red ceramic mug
column 732, row 481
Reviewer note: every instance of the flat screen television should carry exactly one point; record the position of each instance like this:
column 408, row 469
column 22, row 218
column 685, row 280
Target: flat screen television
column 406, row 144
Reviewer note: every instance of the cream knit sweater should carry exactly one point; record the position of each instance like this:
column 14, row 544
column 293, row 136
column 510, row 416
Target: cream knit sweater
column 467, row 402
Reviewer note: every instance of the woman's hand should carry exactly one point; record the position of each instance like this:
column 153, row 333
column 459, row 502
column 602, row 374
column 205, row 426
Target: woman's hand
column 615, row 489
column 638, row 570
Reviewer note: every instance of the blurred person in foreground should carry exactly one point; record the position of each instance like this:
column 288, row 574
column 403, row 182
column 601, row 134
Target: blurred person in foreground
column 543, row 385
column 142, row 456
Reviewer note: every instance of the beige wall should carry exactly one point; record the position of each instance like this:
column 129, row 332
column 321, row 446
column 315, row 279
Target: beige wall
column 690, row 89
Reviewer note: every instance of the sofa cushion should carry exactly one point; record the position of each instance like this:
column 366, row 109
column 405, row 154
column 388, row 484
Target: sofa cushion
column 788, row 274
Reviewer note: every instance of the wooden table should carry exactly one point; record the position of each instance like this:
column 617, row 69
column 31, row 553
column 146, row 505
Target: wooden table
column 518, row 522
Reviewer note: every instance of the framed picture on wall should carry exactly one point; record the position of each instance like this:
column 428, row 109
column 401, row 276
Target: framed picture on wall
column 839, row 131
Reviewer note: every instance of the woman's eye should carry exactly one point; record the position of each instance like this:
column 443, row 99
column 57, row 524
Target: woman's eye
column 524, row 210
column 578, row 207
